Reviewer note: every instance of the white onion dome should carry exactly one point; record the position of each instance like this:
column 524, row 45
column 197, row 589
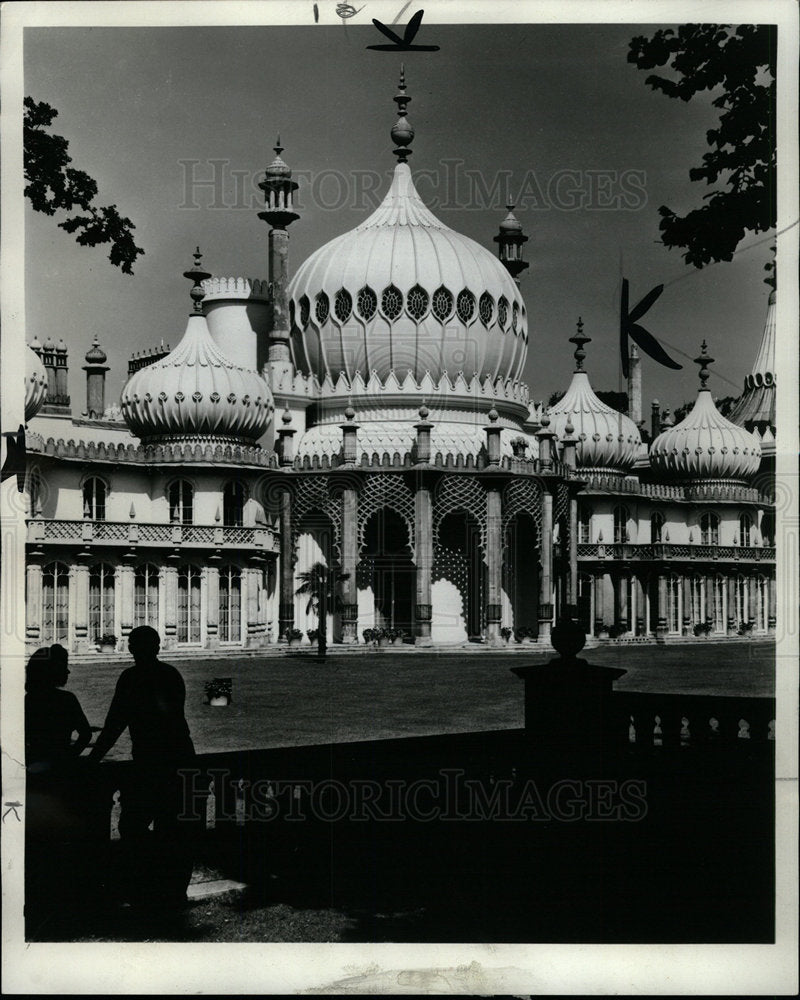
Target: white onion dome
column 195, row 392
column 61, row 347
column 49, row 344
column 402, row 292
column 607, row 440
column 705, row 445
column 35, row 384
column 96, row 355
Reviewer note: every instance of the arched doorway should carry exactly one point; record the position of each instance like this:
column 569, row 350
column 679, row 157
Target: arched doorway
column 314, row 546
column 459, row 580
column 387, row 572
column 521, row 572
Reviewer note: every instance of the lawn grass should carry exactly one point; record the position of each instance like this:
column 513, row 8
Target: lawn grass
column 295, row 700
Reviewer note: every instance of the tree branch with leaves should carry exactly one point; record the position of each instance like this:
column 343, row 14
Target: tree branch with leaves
column 52, row 185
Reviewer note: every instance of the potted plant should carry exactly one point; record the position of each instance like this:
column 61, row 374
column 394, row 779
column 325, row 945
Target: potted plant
column 523, row 635
column 313, row 635
column 383, row 636
column 108, row 642
column 370, row 635
column 219, row 692
column 703, row 628
column 293, row 637
column 399, row 637
column 505, row 632
column 745, row 628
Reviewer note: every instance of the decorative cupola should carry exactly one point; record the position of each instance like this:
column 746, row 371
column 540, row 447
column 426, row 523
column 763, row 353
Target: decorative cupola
column 279, row 214
column 95, row 369
column 755, row 408
column 607, row 441
column 704, row 445
column 195, row 394
column 35, row 383
column 510, row 240
column 403, row 293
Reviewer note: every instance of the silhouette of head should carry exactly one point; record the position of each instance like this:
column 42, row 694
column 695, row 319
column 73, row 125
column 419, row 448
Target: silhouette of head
column 144, row 643
column 59, row 669
column 37, row 672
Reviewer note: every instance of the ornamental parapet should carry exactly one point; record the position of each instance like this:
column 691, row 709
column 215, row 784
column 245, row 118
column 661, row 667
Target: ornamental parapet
column 725, row 491
column 170, row 453
column 134, row 534
column 666, row 551
column 450, row 462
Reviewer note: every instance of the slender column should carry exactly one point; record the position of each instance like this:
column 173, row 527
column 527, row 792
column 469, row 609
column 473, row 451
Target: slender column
column 752, row 610
column 572, row 577
column 709, row 609
column 731, row 605
column 252, row 582
column 494, row 563
column 622, row 601
column 287, row 566
column 640, row 604
column 772, row 607
column 423, row 539
column 545, row 578
column 661, row 627
column 598, row 583
column 126, row 599
column 33, row 602
column 170, row 606
column 212, row 606
column 349, row 563
column 80, row 577
column 686, row 583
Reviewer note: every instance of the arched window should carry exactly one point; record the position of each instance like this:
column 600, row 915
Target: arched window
column 55, row 603
column 322, row 308
column 188, row 604
column 698, row 614
column 709, row 529
column 742, row 603
column 674, row 603
column 745, row 529
column 233, row 504
column 181, row 501
column 768, row 528
column 620, row 525
column 101, row 601
column 145, row 596
column 94, row 499
column 584, row 524
column 720, row 597
column 656, row 527
column 230, row 604
column 762, row 603
column 343, row 305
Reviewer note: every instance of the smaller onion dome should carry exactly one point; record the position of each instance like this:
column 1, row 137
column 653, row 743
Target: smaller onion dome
column 195, row 392
column 61, row 347
column 35, row 384
column 608, row 441
column 511, row 223
column 36, row 344
column 49, row 344
column 705, row 445
column 278, row 168
column 96, row 355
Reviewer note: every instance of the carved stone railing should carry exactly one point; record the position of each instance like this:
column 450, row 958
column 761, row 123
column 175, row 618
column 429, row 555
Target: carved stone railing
column 180, row 453
column 666, row 551
column 133, row 534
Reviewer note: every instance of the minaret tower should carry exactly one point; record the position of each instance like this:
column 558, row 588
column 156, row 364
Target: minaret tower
column 278, row 188
column 635, row 386
column 510, row 239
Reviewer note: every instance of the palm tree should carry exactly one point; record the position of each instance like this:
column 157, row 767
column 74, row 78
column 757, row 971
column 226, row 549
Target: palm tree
column 320, row 585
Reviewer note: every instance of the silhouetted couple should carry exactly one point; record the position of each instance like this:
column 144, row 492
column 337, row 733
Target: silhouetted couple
column 149, row 702
column 52, row 716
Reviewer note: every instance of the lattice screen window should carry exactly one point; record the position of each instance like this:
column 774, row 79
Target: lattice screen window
column 305, row 311
column 442, row 303
column 463, row 493
column 465, row 305
column 417, row 303
column 322, row 308
column 367, row 303
column 392, row 302
column 343, row 305
column 502, row 311
column 385, row 491
column 486, row 308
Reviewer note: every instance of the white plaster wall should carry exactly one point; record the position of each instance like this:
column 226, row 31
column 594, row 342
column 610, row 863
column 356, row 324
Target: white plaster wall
column 447, row 623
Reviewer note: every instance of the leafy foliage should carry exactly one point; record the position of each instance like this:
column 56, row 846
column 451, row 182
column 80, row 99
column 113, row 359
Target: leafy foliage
column 52, row 185
column 739, row 64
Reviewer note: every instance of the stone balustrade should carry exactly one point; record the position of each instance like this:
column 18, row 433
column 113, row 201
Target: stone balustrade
column 134, row 534
column 666, row 551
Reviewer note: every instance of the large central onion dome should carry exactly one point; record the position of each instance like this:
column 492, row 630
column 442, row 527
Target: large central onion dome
column 195, row 393
column 404, row 293
column 704, row 445
column 608, row 441
column 35, row 383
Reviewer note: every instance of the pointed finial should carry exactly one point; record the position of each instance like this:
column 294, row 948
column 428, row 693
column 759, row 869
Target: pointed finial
column 704, row 360
column 579, row 339
column 197, row 275
column 132, row 513
column 286, row 416
column 278, row 147
column 402, row 132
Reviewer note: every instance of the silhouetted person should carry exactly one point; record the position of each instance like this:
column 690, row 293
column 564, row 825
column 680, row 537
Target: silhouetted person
column 149, row 702
column 52, row 715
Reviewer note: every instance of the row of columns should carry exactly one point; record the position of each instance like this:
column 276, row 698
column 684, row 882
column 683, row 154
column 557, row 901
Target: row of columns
column 254, row 624
column 423, row 535
column 659, row 623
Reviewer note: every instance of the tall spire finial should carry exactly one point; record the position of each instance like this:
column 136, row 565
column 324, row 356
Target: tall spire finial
column 197, row 275
column 402, row 130
column 704, row 360
column 579, row 339
column 278, row 147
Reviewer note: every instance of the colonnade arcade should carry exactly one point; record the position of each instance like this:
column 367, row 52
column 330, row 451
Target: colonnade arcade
column 444, row 557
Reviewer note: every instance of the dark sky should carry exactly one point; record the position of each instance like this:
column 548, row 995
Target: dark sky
column 535, row 100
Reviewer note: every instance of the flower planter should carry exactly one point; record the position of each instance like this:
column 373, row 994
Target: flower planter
column 295, row 643
column 398, row 641
column 219, row 701
column 107, row 648
column 383, row 642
